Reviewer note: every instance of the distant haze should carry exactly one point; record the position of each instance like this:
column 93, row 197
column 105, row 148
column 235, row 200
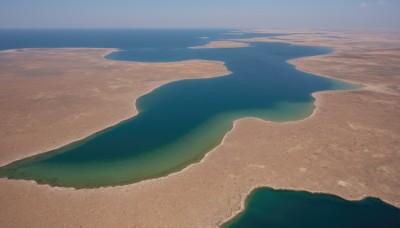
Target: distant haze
column 200, row 13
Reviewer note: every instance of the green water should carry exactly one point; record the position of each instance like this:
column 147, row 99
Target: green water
column 181, row 121
column 266, row 207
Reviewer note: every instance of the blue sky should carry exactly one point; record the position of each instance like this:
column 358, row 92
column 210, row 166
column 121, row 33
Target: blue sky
column 200, row 13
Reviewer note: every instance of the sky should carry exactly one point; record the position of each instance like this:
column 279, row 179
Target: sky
column 323, row 14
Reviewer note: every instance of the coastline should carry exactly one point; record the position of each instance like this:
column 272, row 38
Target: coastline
column 167, row 174
column 214, row 69
column 202, row 170
column 298, row 63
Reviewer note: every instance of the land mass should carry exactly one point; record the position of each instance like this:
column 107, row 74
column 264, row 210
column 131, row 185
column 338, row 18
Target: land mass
column 348, row 147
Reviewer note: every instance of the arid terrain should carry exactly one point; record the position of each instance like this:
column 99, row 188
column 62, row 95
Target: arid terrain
column 349, row 147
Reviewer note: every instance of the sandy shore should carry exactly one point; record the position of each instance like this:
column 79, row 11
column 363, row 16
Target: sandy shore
column 348, row 147
column 222, row 44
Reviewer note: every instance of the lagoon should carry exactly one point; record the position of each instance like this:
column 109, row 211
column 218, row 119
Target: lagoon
column 180, row 122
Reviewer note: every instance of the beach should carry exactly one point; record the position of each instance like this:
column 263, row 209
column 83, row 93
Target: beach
column 348, row 147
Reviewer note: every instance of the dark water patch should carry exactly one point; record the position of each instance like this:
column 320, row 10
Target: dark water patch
column 267, row 207
column 112, row 38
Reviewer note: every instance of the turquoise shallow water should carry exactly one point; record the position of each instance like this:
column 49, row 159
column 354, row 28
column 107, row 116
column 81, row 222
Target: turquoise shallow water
column 181, row 121
column 266, row 207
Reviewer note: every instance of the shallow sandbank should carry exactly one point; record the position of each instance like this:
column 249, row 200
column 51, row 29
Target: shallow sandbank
column 222, row 44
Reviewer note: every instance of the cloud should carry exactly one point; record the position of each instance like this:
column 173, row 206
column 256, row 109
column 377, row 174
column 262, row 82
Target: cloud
column 365, row 5
column 369, row 4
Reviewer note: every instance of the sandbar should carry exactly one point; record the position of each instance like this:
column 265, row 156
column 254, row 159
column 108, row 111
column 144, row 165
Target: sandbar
column 222, row 44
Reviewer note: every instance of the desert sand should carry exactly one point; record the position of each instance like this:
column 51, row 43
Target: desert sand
column 350, row 147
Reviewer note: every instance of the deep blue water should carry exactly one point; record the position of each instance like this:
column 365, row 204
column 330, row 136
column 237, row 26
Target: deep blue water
column 266, row 207
column 112, row 38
